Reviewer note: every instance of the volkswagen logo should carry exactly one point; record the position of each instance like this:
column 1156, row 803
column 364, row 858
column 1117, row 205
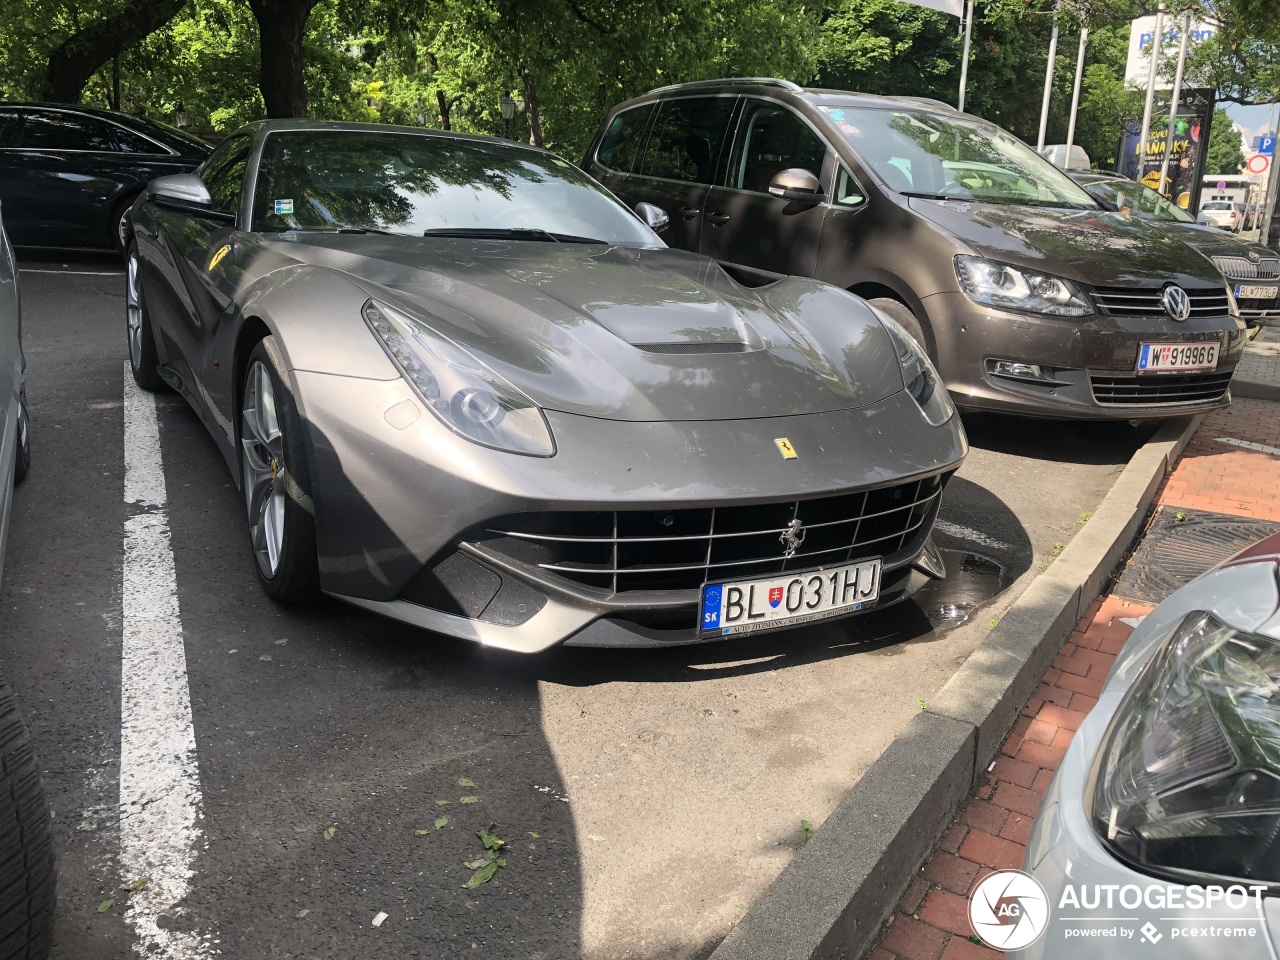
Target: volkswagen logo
column 1176, row 302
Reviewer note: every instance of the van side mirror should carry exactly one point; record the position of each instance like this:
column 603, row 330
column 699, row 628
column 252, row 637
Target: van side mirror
column 652, row 215
column 797, row 183
column 186, row 193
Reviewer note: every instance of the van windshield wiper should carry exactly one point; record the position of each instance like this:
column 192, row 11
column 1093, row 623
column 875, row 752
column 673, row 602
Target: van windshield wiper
column 508, row 233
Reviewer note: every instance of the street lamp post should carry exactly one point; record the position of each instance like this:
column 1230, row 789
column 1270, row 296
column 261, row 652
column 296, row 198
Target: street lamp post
column 508, row 111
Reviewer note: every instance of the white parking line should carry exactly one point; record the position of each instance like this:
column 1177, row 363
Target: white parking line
column 159, row 780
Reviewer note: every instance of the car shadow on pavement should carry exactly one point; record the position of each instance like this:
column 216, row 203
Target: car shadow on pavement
column 348, row 762
column 1058, row 441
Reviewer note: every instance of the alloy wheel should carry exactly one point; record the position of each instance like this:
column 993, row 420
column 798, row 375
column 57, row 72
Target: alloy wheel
column 264, row 476
column 133, row 311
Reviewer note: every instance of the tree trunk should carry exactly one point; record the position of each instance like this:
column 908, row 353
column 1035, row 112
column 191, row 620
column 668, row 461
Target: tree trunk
column 79, row 57
column 532, row 106
column 281, row 25
column 444, row 110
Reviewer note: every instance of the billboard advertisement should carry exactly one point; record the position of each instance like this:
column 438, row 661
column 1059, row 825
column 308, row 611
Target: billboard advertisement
column 1142, row 35
column 1189, row 133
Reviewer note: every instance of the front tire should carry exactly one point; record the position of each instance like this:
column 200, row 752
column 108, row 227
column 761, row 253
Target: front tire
column 904, row 317
column 143, row 361
column 277, row 482
column 22, row 463
column 27, row 875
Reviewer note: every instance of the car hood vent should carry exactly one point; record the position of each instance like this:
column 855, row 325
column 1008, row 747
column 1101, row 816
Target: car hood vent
column 692, row 347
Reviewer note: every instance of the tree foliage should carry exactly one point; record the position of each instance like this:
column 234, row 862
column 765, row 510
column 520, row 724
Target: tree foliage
column 448, row 63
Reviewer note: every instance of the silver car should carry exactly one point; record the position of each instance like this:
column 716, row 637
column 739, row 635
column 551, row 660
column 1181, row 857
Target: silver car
column 463, row 386
column 1160, row 834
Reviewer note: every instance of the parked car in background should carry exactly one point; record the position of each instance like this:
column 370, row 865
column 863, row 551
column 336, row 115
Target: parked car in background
column 26, row 840
column 462, row 386
column 68, row 175
column 1172, row 782
column 1029, row 297
column 1222, row 214
column 1063, row 159
column 1252, row 270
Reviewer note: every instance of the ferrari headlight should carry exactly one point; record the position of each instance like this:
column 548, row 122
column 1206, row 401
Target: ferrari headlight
column 1001, row 285
column 918, row 375
column 465, row 396
column 1188, row 776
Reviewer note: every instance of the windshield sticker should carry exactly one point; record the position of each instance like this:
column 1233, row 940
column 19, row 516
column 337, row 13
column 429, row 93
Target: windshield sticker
column 284, row 206
column 849, row 128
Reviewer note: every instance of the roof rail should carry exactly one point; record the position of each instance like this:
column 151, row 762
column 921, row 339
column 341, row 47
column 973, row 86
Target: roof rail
column 727, row 81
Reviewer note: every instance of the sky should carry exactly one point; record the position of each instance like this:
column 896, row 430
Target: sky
column 1254, row 119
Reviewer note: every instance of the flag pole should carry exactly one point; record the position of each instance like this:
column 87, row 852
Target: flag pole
column 1151, row 89
column 1173, row 103
column 1048, row 79
column 1075, row 94
column 964, row 59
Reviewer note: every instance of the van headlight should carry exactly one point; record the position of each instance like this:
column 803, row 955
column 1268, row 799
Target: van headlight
column 1001, row 285
column 464, row 395
column 918, row 375
column 1188, row 776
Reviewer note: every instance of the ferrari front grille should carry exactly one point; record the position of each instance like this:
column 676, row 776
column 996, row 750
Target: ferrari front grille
column 643, row 550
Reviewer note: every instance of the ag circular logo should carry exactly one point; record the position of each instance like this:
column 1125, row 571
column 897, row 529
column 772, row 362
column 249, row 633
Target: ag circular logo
column 1009, row 910
column 1176, row 302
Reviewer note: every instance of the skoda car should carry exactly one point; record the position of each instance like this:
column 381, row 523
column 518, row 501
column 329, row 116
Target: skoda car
column 1030, row 296
column 461, row 385
column 1252, row 270
column 1170, row 789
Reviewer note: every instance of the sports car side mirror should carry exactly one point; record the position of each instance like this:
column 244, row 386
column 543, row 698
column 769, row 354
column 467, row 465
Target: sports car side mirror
column 187, row 193
column 654, row 216
column 796, row 183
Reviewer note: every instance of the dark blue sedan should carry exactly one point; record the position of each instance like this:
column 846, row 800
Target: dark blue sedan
column 68, row 175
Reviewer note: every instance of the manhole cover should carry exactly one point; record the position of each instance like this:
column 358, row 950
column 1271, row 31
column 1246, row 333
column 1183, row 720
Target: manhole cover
column 1175, row 552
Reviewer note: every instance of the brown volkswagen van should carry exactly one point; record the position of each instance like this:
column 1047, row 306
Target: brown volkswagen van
column 1028, row 294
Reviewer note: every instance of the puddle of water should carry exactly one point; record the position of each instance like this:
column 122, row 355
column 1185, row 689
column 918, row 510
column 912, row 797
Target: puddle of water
column 972, row 580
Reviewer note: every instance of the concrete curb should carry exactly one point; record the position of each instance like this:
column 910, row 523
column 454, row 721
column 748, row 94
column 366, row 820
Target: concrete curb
column 1252, row 390
column 830, row 901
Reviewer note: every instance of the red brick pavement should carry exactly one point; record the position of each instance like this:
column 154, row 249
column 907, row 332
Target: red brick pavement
column 991, row 833
column 931, row 922
column 1225, row 478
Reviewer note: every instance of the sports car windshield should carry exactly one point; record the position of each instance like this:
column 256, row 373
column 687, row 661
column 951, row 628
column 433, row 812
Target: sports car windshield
column 923, row 153
column 1139, row 201
column 416, row 184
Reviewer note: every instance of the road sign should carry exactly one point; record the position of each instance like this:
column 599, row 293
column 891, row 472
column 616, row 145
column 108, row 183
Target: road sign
column 1258, row 163
column 1267, row 146
column 1222, row 184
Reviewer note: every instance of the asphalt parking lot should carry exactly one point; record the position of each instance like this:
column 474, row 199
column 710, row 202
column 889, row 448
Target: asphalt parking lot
column 645, row 796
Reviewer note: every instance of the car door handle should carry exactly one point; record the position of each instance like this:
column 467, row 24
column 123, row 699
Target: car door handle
column 690, row 212
column 718, row 218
